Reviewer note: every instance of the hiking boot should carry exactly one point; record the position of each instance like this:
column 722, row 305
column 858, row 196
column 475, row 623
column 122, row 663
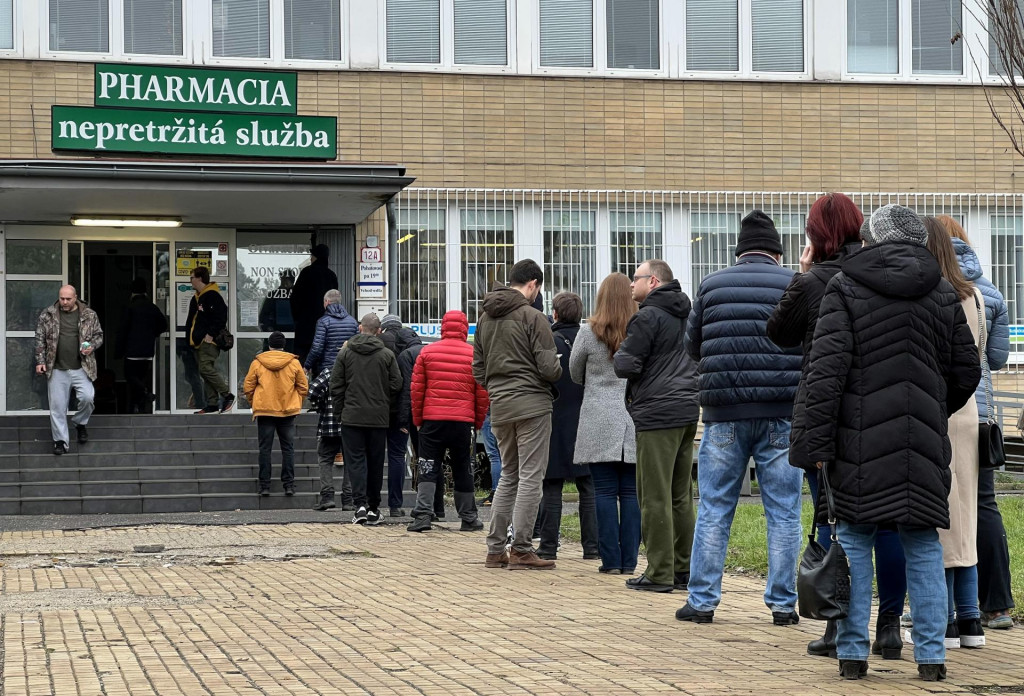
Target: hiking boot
column 229, row 401
column 474, row 526
column 644, row 583
column 396, row 512
column 289, row 490
column 887, row 637
column 688, row 613
column 972, row 635
column 826, row 645
column 419, row 524
column 496, row 560
column 785, row 618
column 853, row 669
column 373, row 517
column 932, row 673
column 59, row 447
column 682, row 581
column 325, row 504
column 528, row 561
column 360, row 516
column 83, row 434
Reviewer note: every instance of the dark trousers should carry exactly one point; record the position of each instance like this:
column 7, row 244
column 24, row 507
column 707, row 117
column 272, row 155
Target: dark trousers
column 139, row 375
column 414, row 437
column 190, row 365
column 993, row 553
column 455, row 439
column 890, row 563
column 364, row 450
column 397, row 442
column 550, row 517
column 618, row 514
column 266, row 426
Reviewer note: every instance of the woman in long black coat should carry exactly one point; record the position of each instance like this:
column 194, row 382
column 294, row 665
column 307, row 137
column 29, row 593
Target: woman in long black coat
column 567, row 311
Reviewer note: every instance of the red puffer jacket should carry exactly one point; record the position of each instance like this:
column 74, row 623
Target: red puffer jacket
column 443, row 388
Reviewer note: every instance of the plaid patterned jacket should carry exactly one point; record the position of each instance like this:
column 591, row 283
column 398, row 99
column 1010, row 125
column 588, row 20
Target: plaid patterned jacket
column 320, row 398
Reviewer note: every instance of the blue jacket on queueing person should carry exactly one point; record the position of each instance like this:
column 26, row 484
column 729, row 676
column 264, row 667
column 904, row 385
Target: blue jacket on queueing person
column 332, row 330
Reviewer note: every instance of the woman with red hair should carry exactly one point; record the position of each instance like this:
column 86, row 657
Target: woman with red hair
column 834, row 233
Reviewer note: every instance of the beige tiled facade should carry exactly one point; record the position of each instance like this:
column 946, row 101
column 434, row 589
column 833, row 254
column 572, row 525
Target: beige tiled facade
column 457, row 130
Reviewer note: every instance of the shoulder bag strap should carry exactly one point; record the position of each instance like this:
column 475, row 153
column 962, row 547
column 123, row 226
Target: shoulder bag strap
column 829, row 502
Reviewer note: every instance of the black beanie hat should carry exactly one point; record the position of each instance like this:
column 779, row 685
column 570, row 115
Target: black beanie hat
column 758, row 233
column 276, row 341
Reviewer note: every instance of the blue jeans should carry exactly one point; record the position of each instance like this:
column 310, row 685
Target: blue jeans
column 493, row 454
column 618, row 514
column 397, row 442
column 962, row 593
column 925, row 579
column 890, row 565
column 725, row 450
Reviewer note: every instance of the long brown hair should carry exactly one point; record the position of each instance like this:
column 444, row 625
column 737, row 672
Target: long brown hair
column 953, row 228
column 941, row 246
column 612, row 311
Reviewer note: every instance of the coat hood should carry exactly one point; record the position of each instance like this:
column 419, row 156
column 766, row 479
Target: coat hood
column 364, row 344
column 210, row 287
column 336, row 310
column 895, row 269
column 669, row 296
column 455, row 325
column 274, row 359
column 502, row 301
column 970, row 266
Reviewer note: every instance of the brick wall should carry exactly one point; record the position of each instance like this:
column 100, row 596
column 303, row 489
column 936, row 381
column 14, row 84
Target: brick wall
column 535, row 132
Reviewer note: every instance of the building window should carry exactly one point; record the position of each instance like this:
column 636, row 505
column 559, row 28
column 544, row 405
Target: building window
column 153, row 27
column 777, row 35
column 570, row 238
column 414, row 31
column 635, row 237
column 1008, row 265
column 241, row 28
column 567, row 33
column 872, row 36
column 791, row 227
column 713, row 238
column 1009, row 34
column 6, row 24
column 79, row 25
column 487, row 241
column 481, row 32
column 633, row 37
column 312, row 30
column 421, row 265
column 712, row 35
column 934, row 23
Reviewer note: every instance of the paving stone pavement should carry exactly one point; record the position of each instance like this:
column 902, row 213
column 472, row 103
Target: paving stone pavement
column 339, row 609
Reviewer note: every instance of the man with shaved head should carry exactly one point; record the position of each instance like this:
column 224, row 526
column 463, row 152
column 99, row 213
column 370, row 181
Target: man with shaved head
column 67, row 336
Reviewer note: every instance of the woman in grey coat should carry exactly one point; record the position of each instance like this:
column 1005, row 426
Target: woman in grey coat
column 605, row 438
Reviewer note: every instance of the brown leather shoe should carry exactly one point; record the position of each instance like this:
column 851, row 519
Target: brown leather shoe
column 528, row 561
column 496, row 560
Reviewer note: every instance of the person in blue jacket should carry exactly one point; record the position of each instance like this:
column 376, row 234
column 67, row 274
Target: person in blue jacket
column 332, row 330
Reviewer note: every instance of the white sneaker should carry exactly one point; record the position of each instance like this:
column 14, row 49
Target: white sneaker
column 952, row 639
column 360, row 516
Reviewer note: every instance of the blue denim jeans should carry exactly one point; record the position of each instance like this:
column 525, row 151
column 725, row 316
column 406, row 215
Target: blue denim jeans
column 725, row 450
column 618, row 514
column 397, row 442
column 890, row 565
column 493, row 454
column 962, row 593
column 925, row 579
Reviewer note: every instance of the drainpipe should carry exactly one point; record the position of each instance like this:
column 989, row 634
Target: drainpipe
column 392, row 232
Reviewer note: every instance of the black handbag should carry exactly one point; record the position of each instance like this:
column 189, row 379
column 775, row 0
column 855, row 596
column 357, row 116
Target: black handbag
column 991, row 451
column 224, row 340
column 823, row 581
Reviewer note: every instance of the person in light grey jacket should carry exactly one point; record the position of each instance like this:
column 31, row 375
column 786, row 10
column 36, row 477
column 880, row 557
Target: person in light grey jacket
column 606, row 438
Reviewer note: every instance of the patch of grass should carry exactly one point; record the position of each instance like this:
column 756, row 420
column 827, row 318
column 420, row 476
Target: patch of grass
column 1012, row 509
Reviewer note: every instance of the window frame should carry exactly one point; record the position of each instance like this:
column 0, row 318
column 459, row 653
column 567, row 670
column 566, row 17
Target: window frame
column 17, row 48
column 905, row 53
column 447, row 42
column 746, row 50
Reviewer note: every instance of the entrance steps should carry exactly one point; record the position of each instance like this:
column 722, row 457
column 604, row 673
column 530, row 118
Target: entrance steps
column 152, row 464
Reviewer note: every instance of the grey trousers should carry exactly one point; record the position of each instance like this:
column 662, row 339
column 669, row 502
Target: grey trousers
column 327, row 449
column 524, row 461
column 58, row 391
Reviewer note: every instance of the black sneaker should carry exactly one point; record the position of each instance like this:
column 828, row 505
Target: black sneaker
column 229, row 401
column 688, row 613
column 373, row 517
column 59, row 447
column 264, row 491
column 972, row 635
column 852, row 669
column 360, row 516
column 396, row 512
column 347, row 507
column 419, row 524
column 83, row 434
column 324, row 505
column 932, row 673
column 785, row 618
column 289, row 490
column 682, row 581
column 643, row 583
column 207, row 410
column 474, row 526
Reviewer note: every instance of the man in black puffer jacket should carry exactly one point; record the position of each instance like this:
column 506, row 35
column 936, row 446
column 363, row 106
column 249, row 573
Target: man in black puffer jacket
column 398, row 339
column 892, row 359
column 661, row 396
column 747, row 385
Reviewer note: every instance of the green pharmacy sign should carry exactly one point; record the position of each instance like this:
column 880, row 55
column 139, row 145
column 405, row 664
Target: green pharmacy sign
column 194, row 111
